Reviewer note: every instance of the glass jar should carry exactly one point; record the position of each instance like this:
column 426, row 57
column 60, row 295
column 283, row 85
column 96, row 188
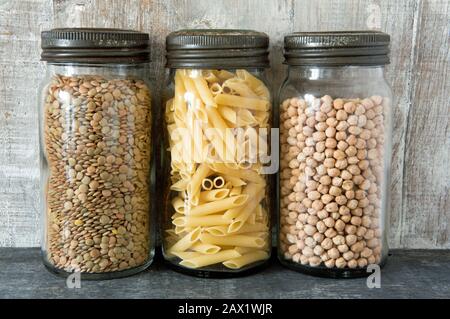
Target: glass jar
column 335, row 151
column 217, row 116
column 95, row 130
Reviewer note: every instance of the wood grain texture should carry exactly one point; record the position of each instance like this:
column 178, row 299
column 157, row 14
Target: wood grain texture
column 407, row 274
column 426, row 185
column 20, row 75
column 418, row 74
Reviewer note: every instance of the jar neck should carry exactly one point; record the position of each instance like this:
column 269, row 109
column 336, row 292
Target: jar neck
column 138, row 69
column 335, row 73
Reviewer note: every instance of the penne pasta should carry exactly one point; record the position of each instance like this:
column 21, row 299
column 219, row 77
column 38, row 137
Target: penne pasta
column 219, row 182
column 206, row 260
column 205, row 248
column 203, row 90
column 214, row 122
column 215, row 89
column 224, row 75
column 178, row 204
column 209, row 76
column 176, row 215
column 247, row 174
column 228, row 185
column 255, row 84
column 240, row 88
column 187, row 241
column 245, row 213
column 214, row 195
column 235, row 181
column 217, row 230
column 186, row 254
column 221, row 130
column 244, row 102
column 251, row 219
column 246, row 118
column 203, row 221
column 235, row 240
column 252, row 228
column 180, row 230
column 179, row 186
column 228, row 114
column 246, row 259
column 218, row 206
column 251, row 190
column 235, row 190
column 245, row 250
column 200, row 174
column 261, row 234
column 207, row 184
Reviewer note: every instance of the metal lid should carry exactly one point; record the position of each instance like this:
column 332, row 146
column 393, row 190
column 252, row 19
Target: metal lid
column 337, row 48
column 94, row 46
column 217, row 48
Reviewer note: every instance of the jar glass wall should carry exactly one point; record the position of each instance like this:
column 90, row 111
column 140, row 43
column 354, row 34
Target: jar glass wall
column 216, row 221
column 335, row 151
column 96, row 152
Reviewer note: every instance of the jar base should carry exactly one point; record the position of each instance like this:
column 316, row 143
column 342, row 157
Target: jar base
column 324, row 272
column 99, row 276
column 218, row 274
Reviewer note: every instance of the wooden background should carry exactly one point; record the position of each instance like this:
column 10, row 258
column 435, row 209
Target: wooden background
column 420, row 214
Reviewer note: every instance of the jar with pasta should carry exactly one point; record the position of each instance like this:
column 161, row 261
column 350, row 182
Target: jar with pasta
column 335, row 136
column 216, row 220
column 95, row 138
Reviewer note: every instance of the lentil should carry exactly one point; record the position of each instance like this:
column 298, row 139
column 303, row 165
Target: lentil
column 85, row 199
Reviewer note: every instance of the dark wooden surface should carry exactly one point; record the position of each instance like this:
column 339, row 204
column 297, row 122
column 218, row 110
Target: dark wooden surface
column 407, row 274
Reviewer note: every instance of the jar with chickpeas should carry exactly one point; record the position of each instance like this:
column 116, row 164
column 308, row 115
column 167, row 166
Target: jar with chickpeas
column 95, row 140
column 335, row 151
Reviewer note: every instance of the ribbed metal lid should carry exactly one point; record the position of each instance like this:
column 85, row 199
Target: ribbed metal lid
column 337, row 48
column 92, row 46
column 217, row 48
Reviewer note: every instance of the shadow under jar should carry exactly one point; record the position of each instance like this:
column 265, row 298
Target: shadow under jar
column 335, row 151
column 95, row 131
column 217, row 116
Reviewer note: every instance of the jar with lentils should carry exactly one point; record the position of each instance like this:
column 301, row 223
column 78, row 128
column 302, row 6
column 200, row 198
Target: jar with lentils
column 95, row 130
column 335, row 136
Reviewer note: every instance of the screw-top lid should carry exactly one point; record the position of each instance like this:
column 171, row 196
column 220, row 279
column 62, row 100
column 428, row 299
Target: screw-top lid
column 217, row 48
column 337, row 48
column 95, row 46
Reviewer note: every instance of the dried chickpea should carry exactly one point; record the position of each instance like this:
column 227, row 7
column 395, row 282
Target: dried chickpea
column 330, row 177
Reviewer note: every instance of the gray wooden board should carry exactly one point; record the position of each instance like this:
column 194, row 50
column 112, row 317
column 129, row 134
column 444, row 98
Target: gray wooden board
column 426, row 184
column 420, row 205
column 407, row 274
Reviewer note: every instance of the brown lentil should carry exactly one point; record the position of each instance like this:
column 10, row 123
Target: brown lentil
column 85, row 197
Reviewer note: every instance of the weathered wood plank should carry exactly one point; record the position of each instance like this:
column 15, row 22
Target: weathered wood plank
column 407, row 274
column 398, row 19
column 418, row 74
column 426, row 198
column 20, row 75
